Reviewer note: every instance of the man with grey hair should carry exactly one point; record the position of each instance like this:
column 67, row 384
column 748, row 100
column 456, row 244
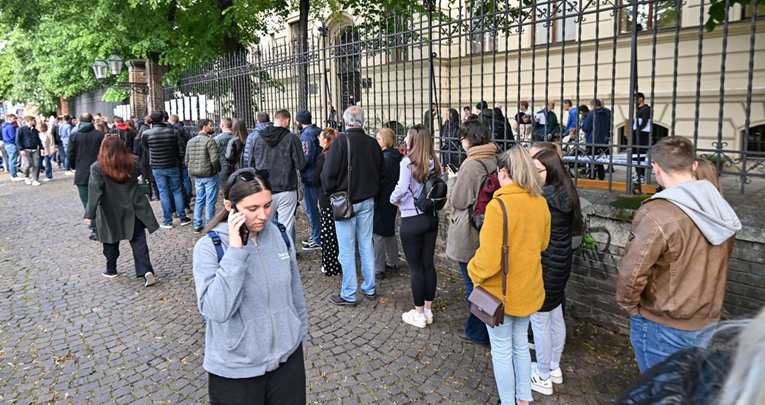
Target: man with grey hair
column 221, row 140
column 368, row 168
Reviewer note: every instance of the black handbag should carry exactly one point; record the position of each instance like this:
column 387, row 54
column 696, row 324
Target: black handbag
column 342, row 206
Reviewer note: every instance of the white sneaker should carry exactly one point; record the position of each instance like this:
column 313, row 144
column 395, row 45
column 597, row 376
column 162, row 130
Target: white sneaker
column 555, row 375
column 414, row 319
column 149, row 279
column 46, row 179
column 28, row 181
column 429, row 318
column 17, row 178
column 35, row 183
column 544, row 387
column 69, row 173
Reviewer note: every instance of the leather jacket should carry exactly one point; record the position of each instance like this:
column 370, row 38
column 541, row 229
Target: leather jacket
column 165, row 145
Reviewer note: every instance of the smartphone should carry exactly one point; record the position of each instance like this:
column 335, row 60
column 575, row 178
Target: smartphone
column 244, row 233
column 452, row 167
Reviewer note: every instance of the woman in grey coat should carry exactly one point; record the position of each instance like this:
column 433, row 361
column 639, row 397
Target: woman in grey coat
column 119, row 207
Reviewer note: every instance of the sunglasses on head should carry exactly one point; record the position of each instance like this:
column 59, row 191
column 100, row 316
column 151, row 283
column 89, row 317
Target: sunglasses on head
column 248, row 175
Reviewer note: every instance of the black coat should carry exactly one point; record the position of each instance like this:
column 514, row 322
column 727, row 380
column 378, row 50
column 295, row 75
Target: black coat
column 385, row 212
column 165, row 145
column 557, row 259
column 366, row 161
column 316, row 181
column 499, row 127
column 450, row 143
column 143, row 155
column 692, row 376
column 82, row 152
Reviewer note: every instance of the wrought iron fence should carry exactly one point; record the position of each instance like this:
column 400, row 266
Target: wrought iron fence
column 454, row 56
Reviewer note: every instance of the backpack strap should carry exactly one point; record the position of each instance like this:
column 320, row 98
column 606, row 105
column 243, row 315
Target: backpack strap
column 283, row 230
column 217, row 242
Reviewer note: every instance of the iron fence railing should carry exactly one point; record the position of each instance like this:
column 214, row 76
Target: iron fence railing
column 698, row 84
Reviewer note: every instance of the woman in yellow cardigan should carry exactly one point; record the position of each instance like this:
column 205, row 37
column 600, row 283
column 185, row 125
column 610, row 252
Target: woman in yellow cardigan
column 528, row 223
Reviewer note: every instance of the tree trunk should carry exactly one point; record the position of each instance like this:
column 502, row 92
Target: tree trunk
column 302, row 53
column 240, row 86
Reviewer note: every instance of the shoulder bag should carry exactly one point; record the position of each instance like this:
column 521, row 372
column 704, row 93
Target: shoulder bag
column 342, row 206
column 483, row 305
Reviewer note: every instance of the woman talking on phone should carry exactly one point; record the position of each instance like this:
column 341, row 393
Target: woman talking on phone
column 248, row 288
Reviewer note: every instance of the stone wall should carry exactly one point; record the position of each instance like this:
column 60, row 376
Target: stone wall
column 591, row 289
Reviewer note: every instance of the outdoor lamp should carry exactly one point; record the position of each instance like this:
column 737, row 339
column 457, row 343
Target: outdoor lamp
column 115, row 63
column 99, row 68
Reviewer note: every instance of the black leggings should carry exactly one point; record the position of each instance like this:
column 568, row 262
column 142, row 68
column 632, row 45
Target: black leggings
column 283, row 386
column 418, row 238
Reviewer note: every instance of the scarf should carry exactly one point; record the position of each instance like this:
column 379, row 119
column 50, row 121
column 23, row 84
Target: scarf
column 481, row 152
column 85, row 127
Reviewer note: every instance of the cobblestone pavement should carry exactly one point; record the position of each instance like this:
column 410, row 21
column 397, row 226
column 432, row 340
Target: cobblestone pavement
column 70, row 336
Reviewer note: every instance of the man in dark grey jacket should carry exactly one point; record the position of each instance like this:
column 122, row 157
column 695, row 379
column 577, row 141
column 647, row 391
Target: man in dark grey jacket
column 166, row 150
column 82, row 152
column 202, row 159
column 278, row 150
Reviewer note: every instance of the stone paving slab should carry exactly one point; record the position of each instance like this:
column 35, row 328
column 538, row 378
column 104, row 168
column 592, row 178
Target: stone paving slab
column 70, row 336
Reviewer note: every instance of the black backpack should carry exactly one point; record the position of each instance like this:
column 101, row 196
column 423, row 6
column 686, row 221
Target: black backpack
column 433, row 195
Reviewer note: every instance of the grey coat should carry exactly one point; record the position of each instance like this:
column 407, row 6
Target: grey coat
column 202, row 156
column 115, row 207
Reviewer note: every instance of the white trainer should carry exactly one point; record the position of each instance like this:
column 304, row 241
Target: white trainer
column 35, row 183
column 17, row 178
column 544, row 387
column 414, row 319
column 429, row 318
column 555, row 375
column 149, row 277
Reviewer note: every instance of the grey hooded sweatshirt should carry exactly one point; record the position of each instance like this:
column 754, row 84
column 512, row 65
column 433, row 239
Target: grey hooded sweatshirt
column 253, row 302
column 704, row 205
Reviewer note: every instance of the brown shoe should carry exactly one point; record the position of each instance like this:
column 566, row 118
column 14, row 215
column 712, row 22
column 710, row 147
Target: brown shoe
column 460, row 333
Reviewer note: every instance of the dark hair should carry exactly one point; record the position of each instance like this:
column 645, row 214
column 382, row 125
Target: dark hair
column 240, row 130
column 282, row 114
column 568, row 102
column 116, row 162
column 583, row 109
column 165, row 115
column 454, row 116
column 263, row 117
column 117, row 120
column 86, row 117
column 525, row 103
column 67, row 117
column 157, row 116
column 557, row 175
column 674, row 154
column 466, row 108
column 237, row 190
column 202, row 123
column 475, row 133
column 131, row 125
column 10, row 116
column 640, row 95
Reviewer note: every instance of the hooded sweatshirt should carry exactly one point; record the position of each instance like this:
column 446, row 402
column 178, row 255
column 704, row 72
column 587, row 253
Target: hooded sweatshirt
column 253, row 302
column 704, row 205
column 597, row 124
column 278, row 150
column 247, row 154
column 9, row 133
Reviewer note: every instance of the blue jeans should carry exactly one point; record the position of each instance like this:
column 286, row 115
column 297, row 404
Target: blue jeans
column 13, row 158
column 475, row 329
column 359, row 226
column 168, row 179
column 65, row 144
column 186, row 185
column 48, row 167
column 310, row 199
column 512, row 359
column 207, row 195
column 654, row 342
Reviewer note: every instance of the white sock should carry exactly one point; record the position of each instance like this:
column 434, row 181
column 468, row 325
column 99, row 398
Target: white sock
column 428, row 312
column 419, row 315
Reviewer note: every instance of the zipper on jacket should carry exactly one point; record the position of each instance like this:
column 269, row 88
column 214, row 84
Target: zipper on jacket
column 268, row 299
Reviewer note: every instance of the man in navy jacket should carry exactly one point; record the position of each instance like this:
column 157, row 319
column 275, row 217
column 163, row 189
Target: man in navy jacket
column 309, row 140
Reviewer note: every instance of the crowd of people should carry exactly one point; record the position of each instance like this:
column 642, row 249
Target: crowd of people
column 514, row 215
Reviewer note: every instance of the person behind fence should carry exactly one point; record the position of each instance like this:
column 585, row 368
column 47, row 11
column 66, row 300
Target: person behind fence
column 330, row 265
column 368, row 168
column 566, row 220
column 384, row 229
column 263, row 122
column 463, row 190
column 418, row 229
column 143, row 156
column 166, row 152
column 222, row 139
column 309, row 140
column 119, row 208
column 523, row 119
column 450, row 150
column 597, row 128
column 252, row 299
column 545, row 123
column 703, row 169
column 235, row 147
column 84, row 146
column 465, row 114
column 124, row 132
column 48, row 151
column 527, row 224
column 642, row 130
column 278, row 150
column 202, row 159
column 28, row 140
column 573, row 116
column 672, row 276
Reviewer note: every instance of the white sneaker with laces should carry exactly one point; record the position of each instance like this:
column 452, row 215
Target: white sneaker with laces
column 555, row 375
column 414, row 319
column 17, row 179
column 544, row 387
column 35, row 183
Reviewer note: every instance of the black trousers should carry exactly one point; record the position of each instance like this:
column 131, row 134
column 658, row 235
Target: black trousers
column 283, row 386
column 597, row 168
column 140, row 252
column 642, row 147
column 418, row 238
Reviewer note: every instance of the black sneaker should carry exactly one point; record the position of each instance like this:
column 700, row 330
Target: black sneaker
column 370, row 297
column 109, row 274
column 93, row 236
column 307, row 242
column 379, row 276
column 390, row 268
column 312, row 246
column 185, row 221
column 198, row 230
column 339, row 301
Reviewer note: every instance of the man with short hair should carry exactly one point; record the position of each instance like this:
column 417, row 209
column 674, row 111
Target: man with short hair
column 124, row 132
column 465, row 114
column 82, row 151
column 642, row 130
column 9, row 138
column 203, row 161
column 166, row 151
column 523, row 119
column 278, row 150
column 263, row 122
column 64, row 132
column 221, row 140
column 572, row 116
column 597, row 128
column 545, row 131
column 185, row 180
column 30, row 147
column 309, row 140
column 368, row 167
column 57, row 140
column 672, row 276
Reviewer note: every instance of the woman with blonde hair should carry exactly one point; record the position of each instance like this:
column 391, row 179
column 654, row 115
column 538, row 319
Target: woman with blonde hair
column 48, row 151
column 520, row 211
column 384, row 230
column 418, row 229
column 330, row 265
column 703, row 169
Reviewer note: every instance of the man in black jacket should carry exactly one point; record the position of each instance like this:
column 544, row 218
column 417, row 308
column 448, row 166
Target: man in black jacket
column 82, row 152
column 642, row 129
column 166, row 150
column 367, row 172
column 278, row 150
column 30, row 145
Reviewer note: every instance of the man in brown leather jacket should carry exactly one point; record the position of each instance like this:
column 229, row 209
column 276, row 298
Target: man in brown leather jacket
column 672, row 277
